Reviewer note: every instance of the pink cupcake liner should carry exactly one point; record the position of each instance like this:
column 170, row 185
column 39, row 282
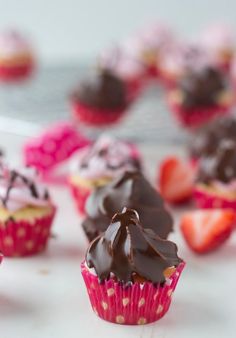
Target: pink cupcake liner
column 207, row 200
column 14, row 73
column 132, row 305
column 53, row 147
column 22, row 238
column 196, row 117
column 80, row 195
column 94, row 116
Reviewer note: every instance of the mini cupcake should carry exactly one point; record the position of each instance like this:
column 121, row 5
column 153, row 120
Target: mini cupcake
column 26, row 212
column 177, row 61
column 149, row 44
column 130, row 189
column 216, row 181
column 102, row 99
column 16, row 57
column 126, row 67
column 97, row 164
column 207, row 140
column 219, row 40
column 131, row 273
column 200, row 96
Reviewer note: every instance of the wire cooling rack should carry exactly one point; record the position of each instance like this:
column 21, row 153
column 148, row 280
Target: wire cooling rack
column 44, row 99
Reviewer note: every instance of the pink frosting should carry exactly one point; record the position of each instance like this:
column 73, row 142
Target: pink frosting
column 121, row 62
column 218, row 37
column 24, row 190
column 183, row 57
column 13, row 43
column 107, row 157
column 155, row 37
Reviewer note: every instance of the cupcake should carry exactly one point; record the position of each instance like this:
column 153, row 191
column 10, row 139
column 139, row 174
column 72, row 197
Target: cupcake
column 206, row 141
column 101, row 99
column 26, row 212
column 216, row 180
column 177, row 61
column 130, row 189
column 126, row 67
column 200, row 96
column 149, row 45
column 131, row 273
column 16, row 56
column 219, row 40
column 97, row 164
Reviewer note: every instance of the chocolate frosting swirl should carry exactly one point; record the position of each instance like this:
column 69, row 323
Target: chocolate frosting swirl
column 202, row 87
column 220, row 166
column 131, row 190
column 127, row 249
column 102, row 90
column 207, row 140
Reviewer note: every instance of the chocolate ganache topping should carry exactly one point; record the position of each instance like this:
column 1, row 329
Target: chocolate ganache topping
column 202, row 87
column 128, row 250
column 220, row 166
column 131, row 190
column 102, row 90
column 207, row 140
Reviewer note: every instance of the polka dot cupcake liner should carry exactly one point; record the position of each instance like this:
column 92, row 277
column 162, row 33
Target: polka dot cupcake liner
column 133, row 305
column 95, row 117
column 80, row 195
column 14, row 73
column 53, row 147
column 23, row 238
column 193, row 118
column 207, row 200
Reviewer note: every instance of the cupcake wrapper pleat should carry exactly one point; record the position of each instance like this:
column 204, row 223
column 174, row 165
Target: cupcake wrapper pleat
column 133, row 305
column 23, row 238
column 80, row 195
column 206, row 200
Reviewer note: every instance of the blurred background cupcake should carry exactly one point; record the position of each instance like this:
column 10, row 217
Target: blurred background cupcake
column 26, row 212
column 97, row 164
column 17, row 59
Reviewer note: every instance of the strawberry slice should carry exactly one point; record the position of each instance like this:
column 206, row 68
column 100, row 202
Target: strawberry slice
column 176, row 180
column 205, row 230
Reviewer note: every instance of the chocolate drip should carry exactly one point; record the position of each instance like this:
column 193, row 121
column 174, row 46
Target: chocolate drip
column 202, row 87
column 13, row 176
column 220, row 166
column 103, row 90
column 131, row 190
column 127, row 250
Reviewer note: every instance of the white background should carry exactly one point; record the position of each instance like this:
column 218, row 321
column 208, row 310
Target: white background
column 69, row 30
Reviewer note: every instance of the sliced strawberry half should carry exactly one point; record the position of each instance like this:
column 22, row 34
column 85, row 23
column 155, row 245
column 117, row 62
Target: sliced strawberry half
column 205, row 230
column 176, row 180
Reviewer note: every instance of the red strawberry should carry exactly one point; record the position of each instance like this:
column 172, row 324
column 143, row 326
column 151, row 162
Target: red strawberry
column 176, row 180
column 205, row 230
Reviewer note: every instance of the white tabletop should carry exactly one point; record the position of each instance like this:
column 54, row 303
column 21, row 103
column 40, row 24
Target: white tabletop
column 44, row 296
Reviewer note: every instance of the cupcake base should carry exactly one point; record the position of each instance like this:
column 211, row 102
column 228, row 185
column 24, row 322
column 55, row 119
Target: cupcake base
column 207, row 200
column 80, row 195
column 137, row 304
column 24, row 238
column 195, row 117
column 95, row 117
column 14, row 73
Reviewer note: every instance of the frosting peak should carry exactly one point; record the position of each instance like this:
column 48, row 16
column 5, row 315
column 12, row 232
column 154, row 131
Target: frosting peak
column 127, row 251
column 131, row 190
column 102, row 90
